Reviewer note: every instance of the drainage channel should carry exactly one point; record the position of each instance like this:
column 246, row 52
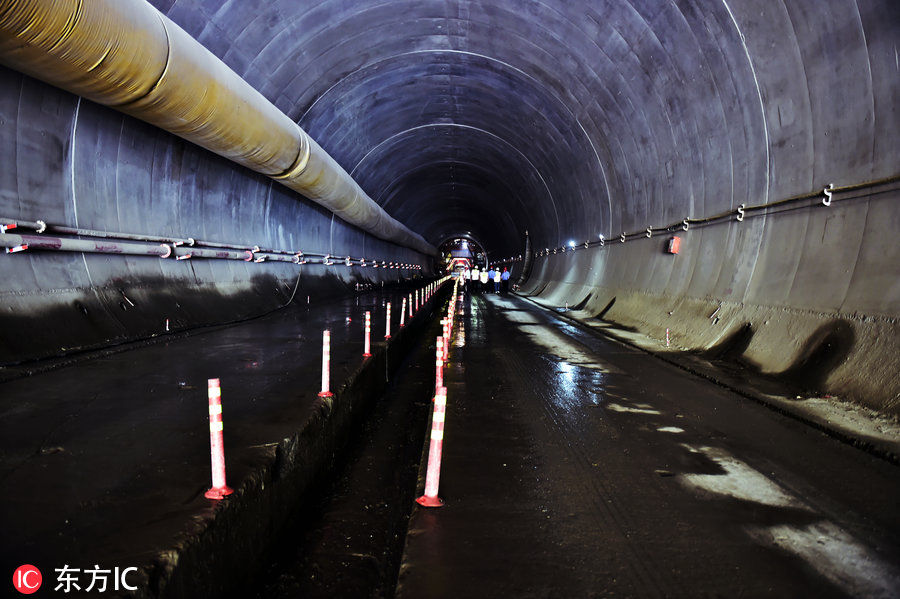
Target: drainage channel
column 346, row 539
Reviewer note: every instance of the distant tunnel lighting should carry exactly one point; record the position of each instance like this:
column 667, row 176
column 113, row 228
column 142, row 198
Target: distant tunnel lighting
column 571, row 243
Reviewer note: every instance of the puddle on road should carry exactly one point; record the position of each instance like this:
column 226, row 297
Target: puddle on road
column 459, row 339
column 575, row 387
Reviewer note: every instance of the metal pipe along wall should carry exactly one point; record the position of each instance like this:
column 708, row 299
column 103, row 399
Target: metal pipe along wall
column 126, row 55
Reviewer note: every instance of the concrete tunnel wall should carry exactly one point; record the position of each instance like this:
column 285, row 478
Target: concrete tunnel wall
column 72, row 162
column 566, row 120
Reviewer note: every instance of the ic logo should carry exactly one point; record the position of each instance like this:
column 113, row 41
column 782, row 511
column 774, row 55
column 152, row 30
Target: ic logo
column 27, row 579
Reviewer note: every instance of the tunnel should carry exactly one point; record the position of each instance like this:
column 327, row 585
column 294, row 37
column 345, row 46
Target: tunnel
column 713, row 181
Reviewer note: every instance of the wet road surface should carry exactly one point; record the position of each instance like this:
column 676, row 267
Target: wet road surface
column 578, row 467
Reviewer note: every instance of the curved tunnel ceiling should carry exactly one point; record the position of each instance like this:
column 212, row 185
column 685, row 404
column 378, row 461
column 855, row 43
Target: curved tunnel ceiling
column 567, row 120
column 503, row 117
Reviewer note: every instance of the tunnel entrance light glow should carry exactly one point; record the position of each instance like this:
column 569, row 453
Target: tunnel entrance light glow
column 461, row 253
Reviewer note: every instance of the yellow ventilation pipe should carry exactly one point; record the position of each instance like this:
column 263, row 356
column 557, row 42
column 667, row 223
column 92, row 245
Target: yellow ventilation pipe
column 127, row 55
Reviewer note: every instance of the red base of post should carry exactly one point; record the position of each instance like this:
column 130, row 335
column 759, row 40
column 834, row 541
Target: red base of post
column 218, row 492
column 367, row 355
column 427, row 501
column 326, row 394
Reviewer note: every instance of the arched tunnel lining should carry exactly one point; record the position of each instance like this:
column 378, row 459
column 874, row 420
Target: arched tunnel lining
column 568, row 122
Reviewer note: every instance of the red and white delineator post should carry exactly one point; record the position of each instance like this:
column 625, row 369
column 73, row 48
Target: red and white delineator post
column 216, row 445
column 367, row 348
column 417, row 300
column 387, row 322
column 326, row 365
column 447, row 325
column 403, row 313
column 433, row 474
column 439, row 364
column 409, row 303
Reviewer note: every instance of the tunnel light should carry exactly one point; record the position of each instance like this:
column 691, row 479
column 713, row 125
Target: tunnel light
column 571, row 244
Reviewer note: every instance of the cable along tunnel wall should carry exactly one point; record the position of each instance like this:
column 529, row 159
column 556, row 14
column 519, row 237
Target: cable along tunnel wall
column 76, row 163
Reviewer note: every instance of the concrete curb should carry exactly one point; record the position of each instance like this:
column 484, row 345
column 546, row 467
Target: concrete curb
column 223, row 549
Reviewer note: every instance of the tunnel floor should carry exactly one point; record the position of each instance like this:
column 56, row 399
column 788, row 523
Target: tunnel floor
column 575, row 466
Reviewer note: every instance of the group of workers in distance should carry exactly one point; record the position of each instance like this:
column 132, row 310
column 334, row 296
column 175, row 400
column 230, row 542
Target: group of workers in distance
column 487, row 280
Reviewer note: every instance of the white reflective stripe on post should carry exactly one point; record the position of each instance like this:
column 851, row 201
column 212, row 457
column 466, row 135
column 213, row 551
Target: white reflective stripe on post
column 367, row 350
column 326, row 364
column 447, row 333
column 439, row 364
